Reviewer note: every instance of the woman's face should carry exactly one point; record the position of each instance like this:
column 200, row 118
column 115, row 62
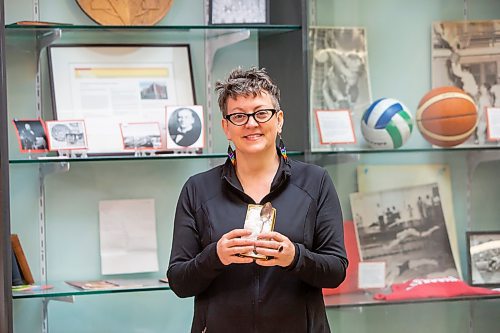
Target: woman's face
column 253, row 137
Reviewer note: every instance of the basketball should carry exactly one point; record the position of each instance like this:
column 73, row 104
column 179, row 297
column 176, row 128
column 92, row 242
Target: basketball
column 446, row 116
column 386, row 124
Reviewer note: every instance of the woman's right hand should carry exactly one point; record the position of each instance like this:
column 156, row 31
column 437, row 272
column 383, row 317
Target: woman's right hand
column 231, row 245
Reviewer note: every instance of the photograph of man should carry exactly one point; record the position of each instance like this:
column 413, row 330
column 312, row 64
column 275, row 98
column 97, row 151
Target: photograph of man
column 184, row 126
column 31, row 135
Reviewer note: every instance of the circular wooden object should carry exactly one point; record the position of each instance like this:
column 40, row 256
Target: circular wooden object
column 125, row 12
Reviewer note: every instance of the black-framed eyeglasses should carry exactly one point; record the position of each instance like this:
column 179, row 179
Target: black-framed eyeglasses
column 260, row 116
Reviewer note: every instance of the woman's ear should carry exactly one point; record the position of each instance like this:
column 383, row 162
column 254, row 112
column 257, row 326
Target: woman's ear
column 281, row 121
column 224, row 124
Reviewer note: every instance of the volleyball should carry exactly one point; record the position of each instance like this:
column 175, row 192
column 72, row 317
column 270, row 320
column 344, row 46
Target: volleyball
column 446, row 116
column 386, row 124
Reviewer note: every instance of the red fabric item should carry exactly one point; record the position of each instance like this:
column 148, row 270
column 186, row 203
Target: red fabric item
column 350, row 283
column 428, row 288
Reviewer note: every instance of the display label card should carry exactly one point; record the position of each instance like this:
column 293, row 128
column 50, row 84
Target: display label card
column 335, row 126
column 371, row 275
column 493, row 119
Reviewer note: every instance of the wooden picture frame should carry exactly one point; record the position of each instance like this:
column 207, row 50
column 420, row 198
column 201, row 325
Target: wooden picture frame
column 20, row 257
column 107, row 85
column 483, row 258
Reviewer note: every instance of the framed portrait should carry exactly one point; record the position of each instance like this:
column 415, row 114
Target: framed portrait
column 31, row 135
column 239, row 11
column 141, row 136
column 185, row 129
column 483, row 255
column 109, row 85
column 66, row 135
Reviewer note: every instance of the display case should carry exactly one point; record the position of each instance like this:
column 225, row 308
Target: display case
column 390, row 50
column 54, row 201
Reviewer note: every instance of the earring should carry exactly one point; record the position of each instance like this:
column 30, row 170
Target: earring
column 282, row 147
column 231, row 154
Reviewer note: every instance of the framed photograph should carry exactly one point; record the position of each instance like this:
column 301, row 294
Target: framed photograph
column 239, row 11
column 335, row 127
column 109, row 85
column 185, row 127
column 339, row 76
column 66, row 135
column 465, row 54
column 141, row 136
column 31, row 135
column 259, row 219
column 483, row 254
column 405, row 228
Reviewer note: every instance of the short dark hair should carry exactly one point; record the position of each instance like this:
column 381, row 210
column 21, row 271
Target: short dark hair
column 253, row 82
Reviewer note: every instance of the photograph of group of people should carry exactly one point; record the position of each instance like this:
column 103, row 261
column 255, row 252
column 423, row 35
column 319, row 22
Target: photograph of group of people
column 406, row 229
column 467, row 55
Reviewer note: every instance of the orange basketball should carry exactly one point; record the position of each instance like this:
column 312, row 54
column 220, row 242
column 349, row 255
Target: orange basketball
column 446, row 116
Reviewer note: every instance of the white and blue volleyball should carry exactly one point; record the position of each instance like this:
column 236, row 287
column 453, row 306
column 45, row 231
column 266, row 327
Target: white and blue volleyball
column 386, row 124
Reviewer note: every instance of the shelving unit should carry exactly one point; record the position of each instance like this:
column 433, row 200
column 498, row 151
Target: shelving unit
column 53, row 201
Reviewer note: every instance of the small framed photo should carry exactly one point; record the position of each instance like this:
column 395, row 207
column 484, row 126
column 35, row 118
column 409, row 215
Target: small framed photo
column 484, row 258
column 259, row 219
column 239, row 12
column 141, row 136
column 66, row 135
column 31, row 135
column 185, row 127
column 335, row 127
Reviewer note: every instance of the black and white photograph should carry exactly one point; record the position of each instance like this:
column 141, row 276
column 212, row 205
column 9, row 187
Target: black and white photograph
column 466, row 54
column 339, row 74
column 406, row 229
column 141, row 136
column 185, row 127
column 66, row 134
column 31, row 135
column 239, row 11
column 484, row 258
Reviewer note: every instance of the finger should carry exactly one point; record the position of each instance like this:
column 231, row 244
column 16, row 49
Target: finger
column 239, row 242
column 239, row 249
column 267, row 251
column 237, row 233
column 267, row 244
column 273, row 235
column 241, row 260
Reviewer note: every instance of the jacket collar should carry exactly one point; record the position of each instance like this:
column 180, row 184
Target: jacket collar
column 282, row 174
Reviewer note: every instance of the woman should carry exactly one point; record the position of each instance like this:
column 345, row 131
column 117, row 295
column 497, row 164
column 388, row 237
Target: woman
column 304, row 253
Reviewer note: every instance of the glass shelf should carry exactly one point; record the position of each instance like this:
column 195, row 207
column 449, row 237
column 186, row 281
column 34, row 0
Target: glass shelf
column 57, row 159
column 359, row 150
column 15, row 30
column 366, row 298
column 62, row 289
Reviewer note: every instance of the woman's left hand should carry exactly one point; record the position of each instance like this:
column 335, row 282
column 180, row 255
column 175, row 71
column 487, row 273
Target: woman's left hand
column 277, row 247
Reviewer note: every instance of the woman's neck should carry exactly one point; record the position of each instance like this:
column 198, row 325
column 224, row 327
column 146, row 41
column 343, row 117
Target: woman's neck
column 255, row 165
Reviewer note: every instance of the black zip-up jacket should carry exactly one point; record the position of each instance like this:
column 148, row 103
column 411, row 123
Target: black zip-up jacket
column 247, row 297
